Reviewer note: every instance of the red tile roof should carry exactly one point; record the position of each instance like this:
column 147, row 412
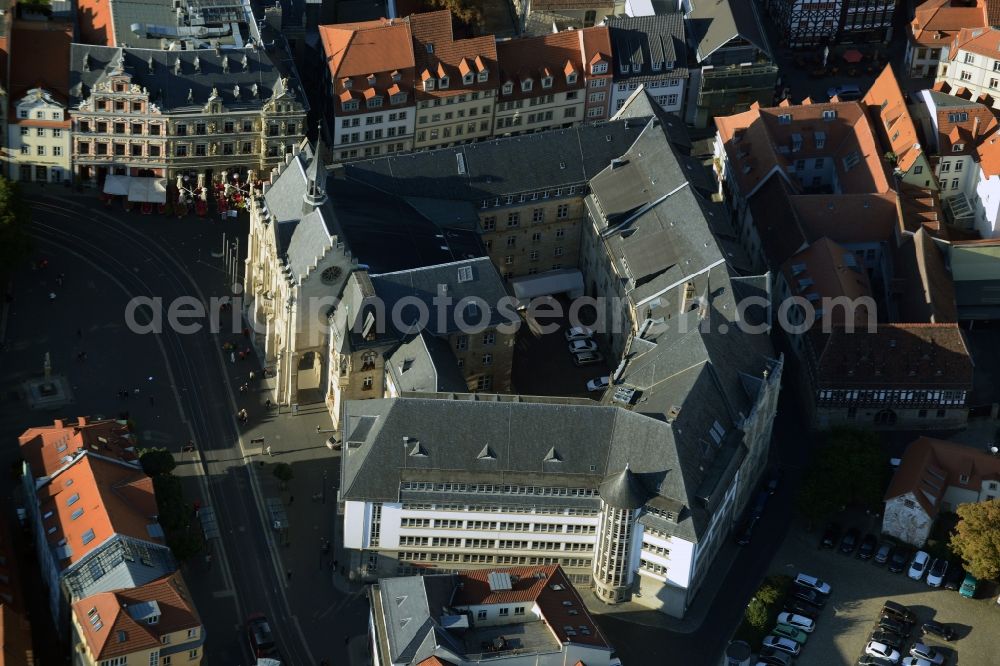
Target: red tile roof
column 929, row 466
column 115, row 498
column 827, row 270
column 434, row 45
column 982, row 41
column 47, row 448
column 922, row 284
column 897, row 356
column 104, row 617
column 546, row 586
column 96, row 23
column 896, row 128
column 554, row 55
column 847, row 218
column 936, row 22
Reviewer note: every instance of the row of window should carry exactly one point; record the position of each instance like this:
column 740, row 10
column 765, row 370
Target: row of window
column 41, row 151
column 372, row 135
column 533, row 196
column 491, row 525
column 499, row 508
column 447, row 132
column 494, row 489
column 489, row 223
column 477, row 558
column 41, row 131
column 459, row 99
column 451, row 115
column 346, row 123
column 371, row 151
column 956, row 398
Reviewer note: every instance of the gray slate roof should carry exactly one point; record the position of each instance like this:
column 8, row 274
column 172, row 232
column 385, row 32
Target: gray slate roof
column 714, row 23
column 189, row 88
column 532, row 162
column 424, row 363
column 411, row 606
column 645, row 40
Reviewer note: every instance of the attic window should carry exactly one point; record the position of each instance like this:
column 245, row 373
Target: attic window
column 508, row 88
column 484, row 75
column 547, row 82
column 553, row 456
column 829, row 114
column 820, row 138
column 443, row 82
column 526, row 85
column 88, row 536
column 467, row 78
column 429, row 85
column 785, row 119
column 599, row 68
column 486, row 454
column 963, row 479
column 122, row 636
column 958, row 117
column 851, row 160
column 347, row 84
column 657, row 65
column 430, row 47
column 958, row 147
column 74, row 498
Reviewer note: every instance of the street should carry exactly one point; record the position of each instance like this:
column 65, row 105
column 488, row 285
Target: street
column 182, row 389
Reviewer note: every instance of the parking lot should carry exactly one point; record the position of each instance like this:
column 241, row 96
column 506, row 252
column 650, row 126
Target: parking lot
column 859, row 588
column 543, row 364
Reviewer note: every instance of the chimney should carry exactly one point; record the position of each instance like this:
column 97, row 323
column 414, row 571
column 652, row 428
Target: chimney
column 60, row 423
column 975, row 127
column 82, row 420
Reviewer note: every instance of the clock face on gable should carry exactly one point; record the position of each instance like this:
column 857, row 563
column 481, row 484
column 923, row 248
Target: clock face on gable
column 330, row 275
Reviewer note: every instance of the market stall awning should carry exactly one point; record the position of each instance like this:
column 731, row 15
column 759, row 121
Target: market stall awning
column 152, row 190
column 116, row 185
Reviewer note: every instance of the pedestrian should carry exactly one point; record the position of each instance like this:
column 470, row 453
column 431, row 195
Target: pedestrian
column 232, row 357
column 267, row 403
column 246, row 332
column 243, row 355
column 52, row 296
column 268, row 450
column 251, row 375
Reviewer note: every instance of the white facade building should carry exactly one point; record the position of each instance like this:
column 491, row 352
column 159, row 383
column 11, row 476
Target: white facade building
column 38, row 136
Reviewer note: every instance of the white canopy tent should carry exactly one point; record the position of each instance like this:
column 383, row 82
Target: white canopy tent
column 153, row 190
column 116, row 185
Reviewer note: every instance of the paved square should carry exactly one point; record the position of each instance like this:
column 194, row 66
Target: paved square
column 858, row 590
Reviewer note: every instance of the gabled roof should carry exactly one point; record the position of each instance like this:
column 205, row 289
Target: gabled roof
column 993, row 12
column 958, row 121
column 552, row 55
column 982, row 41
column 27, row 71
column 828, row 270
column 437, row 51
column 643, row 41
column 355, row 51
column 48, row 448
column 896, row 128
column 924, row 286
column 424, row 363
column 714, row 23
column 116, row 623
column 930, row 466
column 936, row 22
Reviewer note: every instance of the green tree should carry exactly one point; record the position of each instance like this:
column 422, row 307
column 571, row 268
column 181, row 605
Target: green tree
column 184, row 545
column 466, row 11
column 14, row 217
column 175, row 513
column 283, row 473
column 156, row 461
column 977, row 538
column 849, row 470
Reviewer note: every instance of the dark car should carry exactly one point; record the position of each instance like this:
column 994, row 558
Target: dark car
column 895, row 626
column 799, row 608
column 259, row 636
column 883, row 554
column 808, row 596
column 871, row 660
column 850, row 541
column 900, row 559
column 942, row 631
column 953, row 579
column 759, row 503
column 899, row 612
column 890, row 638
column 744, row 535
column 774, row 480
column 867, row 548
column 830, row 536
column 772, row 657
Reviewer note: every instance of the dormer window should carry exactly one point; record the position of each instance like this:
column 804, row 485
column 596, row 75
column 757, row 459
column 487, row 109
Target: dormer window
column 958, row 147
column 571, row 78
column 526, row 85
column 467, row 78
column 625, row 66
column 428, row 85
column 347, row 84
column 398, row 98
column 430, row 47
column 599, row 68
column 371, row 79
column 669, row 65
column 657, row 66
column 443, row 82
column 375, row 102
column 396, row 76
column 785, row 119
column 636, row 67
column 508, row 88
column 484, row 75
column 351, row 105
column 547, row 82
column 829, row 114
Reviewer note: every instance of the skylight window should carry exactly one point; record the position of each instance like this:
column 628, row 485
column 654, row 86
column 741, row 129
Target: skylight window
column 74, row 498
column 88, row 536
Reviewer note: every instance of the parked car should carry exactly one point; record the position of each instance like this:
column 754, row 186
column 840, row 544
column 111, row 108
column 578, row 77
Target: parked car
column 918, row 566
column 799, row 608
column 894, row 625
column 772, row 657
column 798, row 621
column 588, row 358
column 883, row 554
column 935, row 577
column 953, row 579
column 900, row 556
column 582, row 346
column 783, row 644
column 932, row 628
column 898, row 611
column 869, row 660
column 578, row 333
column 923, row 651
column 791, row 632
column 846, row 93
column 867, row 547
column 808, row 596
column 850, row 541
column 915, row 661
column 759, row 504
column 830, row 536
column 805, row 580
column 598, row 384
column 886, row 637
column 968, row 589
column 260, row 637
column 876, row 649
column 774, row 480
column 745, row 535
